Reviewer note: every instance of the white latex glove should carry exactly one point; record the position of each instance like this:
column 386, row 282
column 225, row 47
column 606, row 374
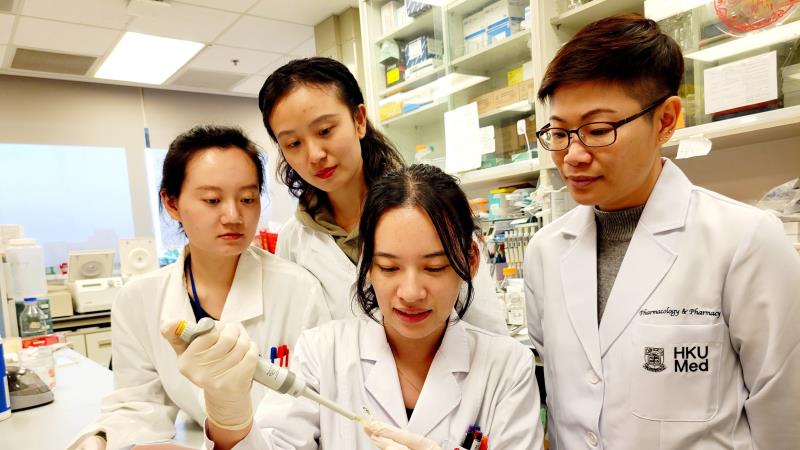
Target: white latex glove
column 222, row 363
column 387, row 437
column 93, row 442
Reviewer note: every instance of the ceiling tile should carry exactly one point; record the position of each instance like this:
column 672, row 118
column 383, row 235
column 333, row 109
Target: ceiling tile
column 100, row 13
column 219, row 58
column 251, row 85
column 306, row 12
column 186, row 22
column 63, row 37
column 239, row 6
column 269, row 68
column 266, row 35
column 208, row 80
column 6, row 22
column 305, row 50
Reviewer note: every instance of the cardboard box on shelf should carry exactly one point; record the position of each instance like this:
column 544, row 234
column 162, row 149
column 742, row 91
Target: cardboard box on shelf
column 503, row 18
column 507, row 140
column 390, row 110
column 485, row 102
column 415, row 8
column 506, row 96
column 423, row 50
column 474, row 27
column 525, row 91
column 389, row 15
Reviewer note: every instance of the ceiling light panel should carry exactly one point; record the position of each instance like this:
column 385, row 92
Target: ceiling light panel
column 63, row 37
column 185, row 22
column 143, row 58
column 266, row 35
column 99, row 13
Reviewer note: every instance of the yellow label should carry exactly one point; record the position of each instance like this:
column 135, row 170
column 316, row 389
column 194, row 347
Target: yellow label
column 392, row 76
column 515, row 76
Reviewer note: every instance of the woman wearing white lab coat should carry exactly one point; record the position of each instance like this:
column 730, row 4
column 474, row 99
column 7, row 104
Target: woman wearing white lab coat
column 211, row 185
column 699, row 345
column 422, row 376
column 330, row 155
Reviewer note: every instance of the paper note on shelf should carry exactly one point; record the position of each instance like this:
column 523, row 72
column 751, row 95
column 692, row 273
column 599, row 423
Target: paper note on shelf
column 697, row 145
column 741, row 83
column 462, row 137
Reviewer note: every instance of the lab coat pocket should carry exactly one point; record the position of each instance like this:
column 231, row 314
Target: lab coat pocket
column 675, row 371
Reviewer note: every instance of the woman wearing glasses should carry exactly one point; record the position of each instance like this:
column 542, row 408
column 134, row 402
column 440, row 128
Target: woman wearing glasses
column 677, row 306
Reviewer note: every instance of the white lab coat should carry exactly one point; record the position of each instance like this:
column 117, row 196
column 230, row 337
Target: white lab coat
column 275, row 300
column 698, row 346
column 319, row 254
column 477, row 377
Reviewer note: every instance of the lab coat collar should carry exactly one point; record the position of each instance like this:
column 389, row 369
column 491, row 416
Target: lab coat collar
column 649, row 256
column 646, row 262
column 441, row 392
column 244, row 301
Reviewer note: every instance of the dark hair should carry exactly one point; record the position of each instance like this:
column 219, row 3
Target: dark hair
column 625, row 49
column 439, row 195
column 189, row 143
column 377, row 153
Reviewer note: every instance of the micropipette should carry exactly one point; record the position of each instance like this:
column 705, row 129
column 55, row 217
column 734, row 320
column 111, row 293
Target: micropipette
column 275, row 377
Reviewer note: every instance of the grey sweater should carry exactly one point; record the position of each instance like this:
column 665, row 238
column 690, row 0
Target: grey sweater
column 614, row 233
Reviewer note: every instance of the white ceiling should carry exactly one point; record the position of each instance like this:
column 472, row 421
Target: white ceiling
column 260, row 35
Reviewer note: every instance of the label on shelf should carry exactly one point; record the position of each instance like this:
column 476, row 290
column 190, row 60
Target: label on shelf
column 692, row 146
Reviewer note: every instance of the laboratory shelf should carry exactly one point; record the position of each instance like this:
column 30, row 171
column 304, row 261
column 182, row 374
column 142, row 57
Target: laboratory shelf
column 415, row 28
column 518, row 171
column 418, row 80
column 596, row 10
column 429, row 114
column 507, row 112
column 756, row 128
column 466, row 7
column 513, row 50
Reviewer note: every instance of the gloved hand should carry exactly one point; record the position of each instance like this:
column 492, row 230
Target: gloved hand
column 222, row 363
column 93, row 442
column 387, row 437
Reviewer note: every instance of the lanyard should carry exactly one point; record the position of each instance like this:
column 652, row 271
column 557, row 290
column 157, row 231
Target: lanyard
column 194, row 289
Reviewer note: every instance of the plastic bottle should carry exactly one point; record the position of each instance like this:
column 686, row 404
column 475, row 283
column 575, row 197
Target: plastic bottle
column 515, row 302
column 26, row 264
column 5, row 397
column 32, row 321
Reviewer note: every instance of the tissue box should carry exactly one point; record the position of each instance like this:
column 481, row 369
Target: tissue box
column 413, row 8
column 421, row 50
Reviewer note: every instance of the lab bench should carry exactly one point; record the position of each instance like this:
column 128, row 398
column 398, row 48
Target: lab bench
column 80, row 386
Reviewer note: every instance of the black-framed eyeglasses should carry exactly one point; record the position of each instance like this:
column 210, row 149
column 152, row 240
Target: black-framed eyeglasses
column 594, row 134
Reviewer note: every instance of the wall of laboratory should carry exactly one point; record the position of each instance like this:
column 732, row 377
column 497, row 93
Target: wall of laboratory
column 44, row 111
column 745, row 173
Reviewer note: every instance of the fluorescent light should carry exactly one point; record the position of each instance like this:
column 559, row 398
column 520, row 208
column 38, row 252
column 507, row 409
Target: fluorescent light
column 754, row 41
column 143, row 58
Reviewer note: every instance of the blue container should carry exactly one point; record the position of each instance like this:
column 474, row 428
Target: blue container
column 5, row 399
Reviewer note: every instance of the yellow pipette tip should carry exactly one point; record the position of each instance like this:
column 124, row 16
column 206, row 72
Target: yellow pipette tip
column 180, row 328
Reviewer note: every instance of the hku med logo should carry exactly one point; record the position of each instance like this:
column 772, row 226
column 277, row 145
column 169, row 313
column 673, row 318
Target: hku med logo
column 654, row 359
column 691, row 359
